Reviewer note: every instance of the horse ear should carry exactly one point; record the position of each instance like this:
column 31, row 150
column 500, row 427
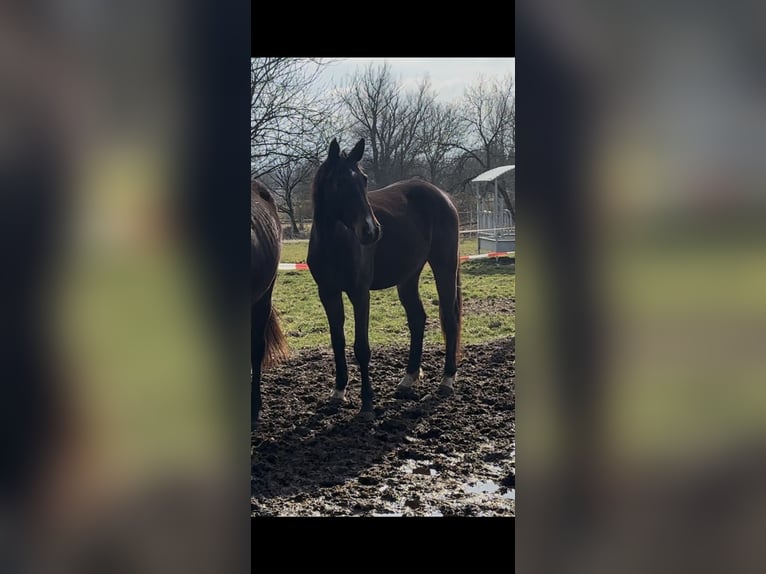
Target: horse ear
column 334, row 152
column 358, row 151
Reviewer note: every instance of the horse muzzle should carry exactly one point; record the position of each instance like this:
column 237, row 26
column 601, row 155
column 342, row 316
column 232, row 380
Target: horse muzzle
column 370, row 231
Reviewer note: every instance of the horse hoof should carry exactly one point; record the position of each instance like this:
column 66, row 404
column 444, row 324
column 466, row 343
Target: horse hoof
column 444, row 391
column 408, row 380
column 447, row 387
column 406, row 393
column 338, row 397
column 366, row 416
column 404, row 389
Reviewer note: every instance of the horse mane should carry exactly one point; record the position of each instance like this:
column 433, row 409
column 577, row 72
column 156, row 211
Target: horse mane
column 257, row 186
column 319, row 175
column 260, row 193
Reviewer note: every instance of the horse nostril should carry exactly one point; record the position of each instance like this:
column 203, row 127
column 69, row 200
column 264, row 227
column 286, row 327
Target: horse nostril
column 369, row 235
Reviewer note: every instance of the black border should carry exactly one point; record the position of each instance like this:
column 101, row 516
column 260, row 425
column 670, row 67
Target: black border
column 433, row 539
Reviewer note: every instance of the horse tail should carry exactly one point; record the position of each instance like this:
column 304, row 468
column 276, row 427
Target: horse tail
column 276, row 343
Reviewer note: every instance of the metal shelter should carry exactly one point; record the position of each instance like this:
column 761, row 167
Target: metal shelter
column 495, row 228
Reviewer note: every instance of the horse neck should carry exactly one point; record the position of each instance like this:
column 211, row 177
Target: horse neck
column 323, row 224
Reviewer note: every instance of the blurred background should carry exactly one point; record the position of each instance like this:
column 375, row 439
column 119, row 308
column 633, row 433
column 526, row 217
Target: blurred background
column 640, row 176
column 642, row 287
column 124, row 415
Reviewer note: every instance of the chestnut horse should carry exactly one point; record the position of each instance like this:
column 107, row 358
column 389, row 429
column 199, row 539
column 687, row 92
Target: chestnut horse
column 267, row 343
column 364, row 241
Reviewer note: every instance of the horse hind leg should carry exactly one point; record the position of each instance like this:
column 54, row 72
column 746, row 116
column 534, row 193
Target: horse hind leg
column 447, row 280
column 416, row 321
column 259, row 315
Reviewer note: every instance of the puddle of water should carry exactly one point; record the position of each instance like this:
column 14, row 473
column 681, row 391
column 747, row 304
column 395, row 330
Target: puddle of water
column 482, row 487
column 422, row 467
column 434, row 512
column 494, row 468
column 489, row 487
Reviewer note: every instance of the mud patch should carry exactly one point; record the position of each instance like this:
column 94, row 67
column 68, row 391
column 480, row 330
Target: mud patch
column 492, row 306
column 438, row 457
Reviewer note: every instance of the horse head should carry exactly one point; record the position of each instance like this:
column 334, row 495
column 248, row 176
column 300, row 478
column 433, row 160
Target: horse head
column 340, row 193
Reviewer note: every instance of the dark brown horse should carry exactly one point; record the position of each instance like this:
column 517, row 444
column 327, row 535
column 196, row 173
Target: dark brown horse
column 362, row 241
column 267, row 343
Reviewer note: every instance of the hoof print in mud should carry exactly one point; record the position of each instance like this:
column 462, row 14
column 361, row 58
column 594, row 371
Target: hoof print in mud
column 368, row 480
column 414, row 503
column 392, row 425
column 434, row 397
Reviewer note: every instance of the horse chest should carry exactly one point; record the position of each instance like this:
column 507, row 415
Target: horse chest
column 340, row 269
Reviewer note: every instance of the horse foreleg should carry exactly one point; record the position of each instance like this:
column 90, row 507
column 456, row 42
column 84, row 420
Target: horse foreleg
column 333, row 307
column 361, row 302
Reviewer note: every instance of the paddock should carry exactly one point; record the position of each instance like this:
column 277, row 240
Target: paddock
column 453, row 456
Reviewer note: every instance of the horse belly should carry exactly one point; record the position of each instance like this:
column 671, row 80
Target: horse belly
column 392, row 269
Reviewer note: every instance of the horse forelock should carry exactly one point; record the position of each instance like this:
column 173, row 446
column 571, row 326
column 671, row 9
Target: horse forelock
column 324, row 173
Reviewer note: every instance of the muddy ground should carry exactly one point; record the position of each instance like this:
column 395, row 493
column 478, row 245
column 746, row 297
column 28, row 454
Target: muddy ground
column 422, row 457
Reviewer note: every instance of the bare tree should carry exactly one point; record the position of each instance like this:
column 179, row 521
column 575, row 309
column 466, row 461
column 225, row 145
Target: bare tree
column 371, row 98
column 437, row 133
column 407, row 147
column 286, row 181
column 488, row 114
column 285, row 112
column 388, row 118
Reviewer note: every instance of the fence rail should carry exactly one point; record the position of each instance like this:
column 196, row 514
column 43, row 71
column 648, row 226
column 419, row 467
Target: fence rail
column 490, row 255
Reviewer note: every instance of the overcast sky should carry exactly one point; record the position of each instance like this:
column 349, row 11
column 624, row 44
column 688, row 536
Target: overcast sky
column 449, row 76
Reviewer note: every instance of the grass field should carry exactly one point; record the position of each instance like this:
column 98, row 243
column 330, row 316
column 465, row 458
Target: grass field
column 489, row 289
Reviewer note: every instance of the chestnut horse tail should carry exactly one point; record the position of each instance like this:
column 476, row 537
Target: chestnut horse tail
column 276, row 343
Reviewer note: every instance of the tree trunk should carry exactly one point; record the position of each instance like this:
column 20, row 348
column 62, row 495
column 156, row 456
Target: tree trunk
column 290, row 210
column 293, row 222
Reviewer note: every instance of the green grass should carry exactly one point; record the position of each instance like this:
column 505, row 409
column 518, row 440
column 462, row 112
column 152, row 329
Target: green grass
column 487, row 287
column 295, row 251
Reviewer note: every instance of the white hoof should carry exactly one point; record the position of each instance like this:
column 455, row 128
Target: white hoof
column 409, row 380
column 338, row 396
